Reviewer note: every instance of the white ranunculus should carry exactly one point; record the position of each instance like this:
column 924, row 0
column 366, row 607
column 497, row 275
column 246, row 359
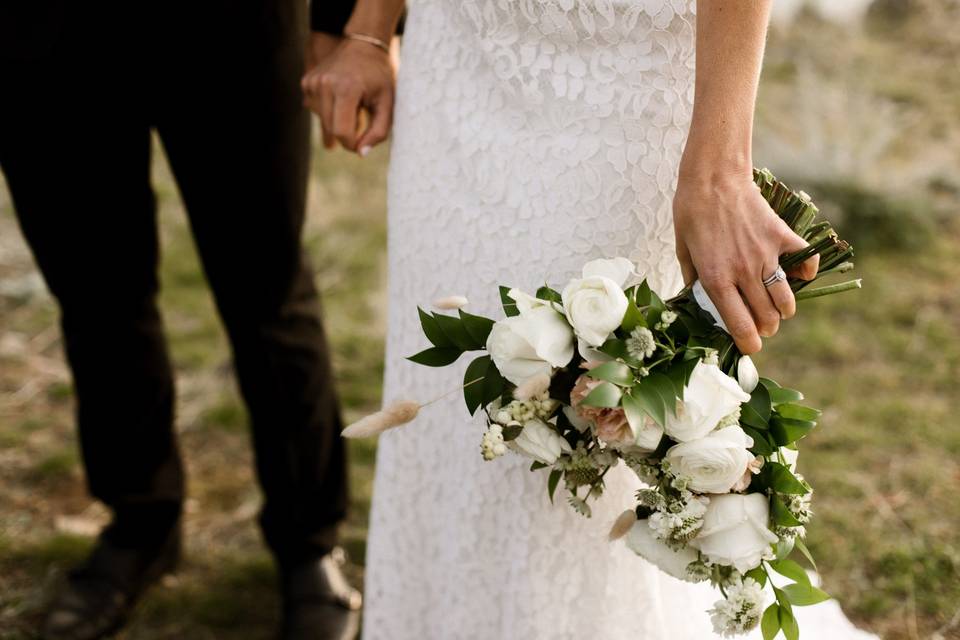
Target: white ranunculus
column 710, row 396
column 531, row 343
column 620, row 270
column 645, row 544
column 539, row 441
column 713, row 463
column 735, row 531
column 747, row 374
column 595, row 306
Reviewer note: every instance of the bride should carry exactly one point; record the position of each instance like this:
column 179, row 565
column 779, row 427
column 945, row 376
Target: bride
column 530, row 137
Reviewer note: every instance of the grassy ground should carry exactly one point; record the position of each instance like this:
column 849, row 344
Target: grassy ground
column 875, row 138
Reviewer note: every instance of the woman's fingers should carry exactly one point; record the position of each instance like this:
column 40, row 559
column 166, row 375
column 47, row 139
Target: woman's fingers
column 686, row 263
column 381, row 118
column 782, row 296
column 736, row 316
column 765, row 314
column 790, row 242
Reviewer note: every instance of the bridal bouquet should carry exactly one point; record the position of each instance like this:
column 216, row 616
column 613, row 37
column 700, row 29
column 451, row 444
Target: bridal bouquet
column 605, row 372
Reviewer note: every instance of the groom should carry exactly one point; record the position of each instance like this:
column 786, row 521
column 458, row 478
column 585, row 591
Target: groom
column 218, row 81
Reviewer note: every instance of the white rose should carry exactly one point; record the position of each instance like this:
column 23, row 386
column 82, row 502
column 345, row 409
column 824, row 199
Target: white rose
column 735, row 531
column 595, row 306
column 713, row 463
column 710, row 396
column 539, row 441
column 620, row 270
column 747, row 375
column 531, row 343
column 642, row 542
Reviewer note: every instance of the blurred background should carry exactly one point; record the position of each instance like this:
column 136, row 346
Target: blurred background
column 859, row 106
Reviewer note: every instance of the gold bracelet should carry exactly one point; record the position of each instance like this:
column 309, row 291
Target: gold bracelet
column 361, row 37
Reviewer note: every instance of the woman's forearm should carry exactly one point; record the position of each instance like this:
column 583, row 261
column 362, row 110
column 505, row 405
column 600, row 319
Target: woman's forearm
column 731, row 35
column 377, row 18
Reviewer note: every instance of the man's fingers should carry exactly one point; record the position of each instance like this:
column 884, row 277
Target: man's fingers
column 736, row 316
column 346, row 111
column 380, row 122
column 326, row 117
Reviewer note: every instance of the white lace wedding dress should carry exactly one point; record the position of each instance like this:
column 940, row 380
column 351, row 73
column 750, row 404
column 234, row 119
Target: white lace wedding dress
column 530, row 137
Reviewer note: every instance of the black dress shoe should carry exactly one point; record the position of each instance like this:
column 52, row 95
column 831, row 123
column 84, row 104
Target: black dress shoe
column 99, row 595
column 319, row 603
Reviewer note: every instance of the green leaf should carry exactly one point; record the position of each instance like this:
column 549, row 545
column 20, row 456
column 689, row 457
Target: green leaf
column 663, row 386
column 679, row 374
column 790, row 569
column 436, row 356
column 606, row 396
column 780, row 395
column 615, row 372
column 453, row 328
column 473, row 391
column 432, row 330
column 804, row 594
column 797, row 412
column 510, row 432
column 791, row 630
column 749, row 416
column 770, row 622
column 546, row 293
column 783, row 480
column 786, row 431
column 761, row 444
column 758, row 574
column 634, row 411
column 552, row 483
column 802, row 547
column 760, row 402
column 632, row 318
column 509, row 304
column 650, row 402
column 537, row 465
column 493, row 384
column 644, row 294
column 477, row 326
column 780, row 514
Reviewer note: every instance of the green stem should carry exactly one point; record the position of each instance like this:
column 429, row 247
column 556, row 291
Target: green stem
column 806, row 294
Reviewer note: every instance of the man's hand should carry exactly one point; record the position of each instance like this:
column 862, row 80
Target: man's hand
column 319, row 47
column 346, row 78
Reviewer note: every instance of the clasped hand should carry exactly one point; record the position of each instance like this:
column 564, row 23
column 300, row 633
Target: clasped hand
column 345, row 81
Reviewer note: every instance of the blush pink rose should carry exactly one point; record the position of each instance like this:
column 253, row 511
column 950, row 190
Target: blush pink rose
column 611, row 424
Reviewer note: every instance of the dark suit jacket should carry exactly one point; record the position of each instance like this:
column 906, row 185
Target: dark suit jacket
column 30, row 29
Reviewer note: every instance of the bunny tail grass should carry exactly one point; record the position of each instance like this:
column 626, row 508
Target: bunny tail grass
column 623, row 524
column 393, row 415
column 532, row 387
column 451, row 303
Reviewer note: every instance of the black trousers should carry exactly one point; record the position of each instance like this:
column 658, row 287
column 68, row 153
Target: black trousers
column 218, row 80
